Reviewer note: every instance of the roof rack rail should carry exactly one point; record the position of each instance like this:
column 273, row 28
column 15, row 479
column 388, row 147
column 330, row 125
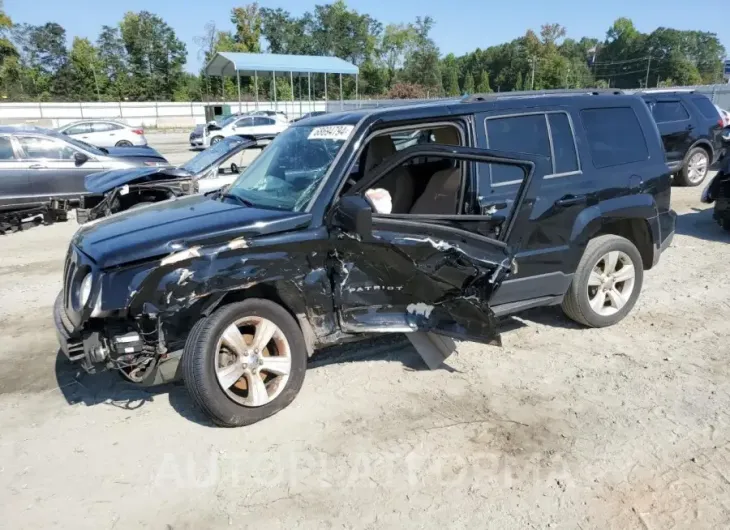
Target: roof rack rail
column 531, row 93
column 664, row 91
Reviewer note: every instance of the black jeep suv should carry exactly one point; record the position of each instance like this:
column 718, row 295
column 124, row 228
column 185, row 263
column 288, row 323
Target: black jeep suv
column 340, row 229
column 691, row 128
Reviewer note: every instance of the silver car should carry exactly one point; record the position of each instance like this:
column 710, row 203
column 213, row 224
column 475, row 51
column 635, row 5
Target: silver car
column 105, row 133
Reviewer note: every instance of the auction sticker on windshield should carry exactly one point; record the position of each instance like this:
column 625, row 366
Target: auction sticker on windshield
column 331, row 132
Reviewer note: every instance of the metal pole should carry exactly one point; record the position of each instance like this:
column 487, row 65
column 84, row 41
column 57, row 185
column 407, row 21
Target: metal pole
column 273, row 80
column 342, row 96
column 300, row 95
column 291, row 80
column 325, row 91
column 648, row 65
column 238, row 80
column 256, row 87
column 309, row 89
column 357, row 94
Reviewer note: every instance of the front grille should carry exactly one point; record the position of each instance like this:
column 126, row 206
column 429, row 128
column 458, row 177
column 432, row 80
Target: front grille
column 195, row 136
column 69, row 269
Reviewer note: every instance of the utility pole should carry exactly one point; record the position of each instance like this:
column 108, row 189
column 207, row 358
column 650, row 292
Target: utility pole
column 532, row 82
column 648, row 66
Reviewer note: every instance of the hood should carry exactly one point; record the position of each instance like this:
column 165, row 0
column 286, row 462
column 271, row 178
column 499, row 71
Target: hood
column 133, row 152
column 169, row 226
column 108, row 180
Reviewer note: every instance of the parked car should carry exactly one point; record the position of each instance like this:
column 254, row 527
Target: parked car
column 691, row 130
column 517, row 200
column 718, row 191
column 105, row 133
column 309, row 115
column 118, row 190
column 256, row 126
column 43, row 171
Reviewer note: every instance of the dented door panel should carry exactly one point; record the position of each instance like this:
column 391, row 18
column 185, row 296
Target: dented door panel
column 405, row 281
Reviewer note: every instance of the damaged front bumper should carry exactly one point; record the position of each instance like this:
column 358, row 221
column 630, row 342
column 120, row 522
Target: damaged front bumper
column 95, row 351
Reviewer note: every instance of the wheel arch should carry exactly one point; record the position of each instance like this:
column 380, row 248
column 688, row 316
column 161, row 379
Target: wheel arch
column 705, row 144
column 629, row 217
column 273, row 292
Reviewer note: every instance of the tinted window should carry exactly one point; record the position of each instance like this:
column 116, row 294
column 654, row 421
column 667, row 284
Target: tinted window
column 246, row 122
column 566, row 159
column 665, row 111
column 6, row 148
column 48, row 148
column 102, row 127
column 614, row 136
column 706, row 107
column 262, row 121
column 522, row 134
column 82, row 128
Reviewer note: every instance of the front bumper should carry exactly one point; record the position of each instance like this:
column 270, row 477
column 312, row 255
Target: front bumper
column 72, row 348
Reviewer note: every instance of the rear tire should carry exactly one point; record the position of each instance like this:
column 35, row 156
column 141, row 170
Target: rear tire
column 215, row 140
column 695, row 167
column 124, row 143
column 207, row 357
column 596, row 298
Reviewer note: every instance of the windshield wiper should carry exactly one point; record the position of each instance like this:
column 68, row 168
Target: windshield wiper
column 238, row 199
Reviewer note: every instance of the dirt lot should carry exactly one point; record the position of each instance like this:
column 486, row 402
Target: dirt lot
column 563, row 427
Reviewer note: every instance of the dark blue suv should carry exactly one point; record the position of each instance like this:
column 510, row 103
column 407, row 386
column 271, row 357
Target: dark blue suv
column 430, row 220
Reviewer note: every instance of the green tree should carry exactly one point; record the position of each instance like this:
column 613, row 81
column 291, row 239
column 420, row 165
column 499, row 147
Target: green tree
column 86, row 71
column 469, row 83
column 450, row 70
column 156, row 56
column 247, row 20
column 114, row 63
column 483, row 86
column 518, row 82
column 421, row 65
column 398, row 40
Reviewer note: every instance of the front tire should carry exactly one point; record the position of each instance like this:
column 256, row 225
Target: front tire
column 606, row 284
column 215, row 140
column 694, row 169
column 245, row 362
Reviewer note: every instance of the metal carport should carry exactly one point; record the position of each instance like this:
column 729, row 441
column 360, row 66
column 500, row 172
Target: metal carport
column 230, row 64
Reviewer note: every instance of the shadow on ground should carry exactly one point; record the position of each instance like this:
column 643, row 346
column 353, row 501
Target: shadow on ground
column 109, row 389
column 700, row 224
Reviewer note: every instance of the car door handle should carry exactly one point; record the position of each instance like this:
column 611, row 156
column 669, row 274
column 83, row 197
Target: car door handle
column 571, row 200
column 37, row 166
column 690, row 127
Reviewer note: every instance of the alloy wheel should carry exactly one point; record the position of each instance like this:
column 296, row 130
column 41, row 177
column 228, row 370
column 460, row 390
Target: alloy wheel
column 611, row 283
column 252, row 361
column 697, row 168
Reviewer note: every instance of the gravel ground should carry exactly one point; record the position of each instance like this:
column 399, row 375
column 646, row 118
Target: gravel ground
column 562, row 427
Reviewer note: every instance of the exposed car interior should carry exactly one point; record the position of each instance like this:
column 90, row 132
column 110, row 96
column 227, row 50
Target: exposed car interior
column 423, row 185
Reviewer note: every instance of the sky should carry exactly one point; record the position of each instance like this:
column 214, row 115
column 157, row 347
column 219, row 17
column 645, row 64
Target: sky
column 460, row 25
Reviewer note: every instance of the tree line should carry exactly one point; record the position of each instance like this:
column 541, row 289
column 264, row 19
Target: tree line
column 142, row 59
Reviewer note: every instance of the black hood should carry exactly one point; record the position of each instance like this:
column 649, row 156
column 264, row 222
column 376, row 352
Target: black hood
column 169, row 226
column 108, row 180
column 133, row 152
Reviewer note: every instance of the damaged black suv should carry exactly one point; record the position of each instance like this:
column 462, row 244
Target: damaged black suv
column 431, row 220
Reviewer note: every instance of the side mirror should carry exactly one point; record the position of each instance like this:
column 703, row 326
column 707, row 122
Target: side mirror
column 354, row 214
column 80, row 158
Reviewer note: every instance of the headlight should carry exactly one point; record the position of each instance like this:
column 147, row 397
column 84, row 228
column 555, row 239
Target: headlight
column 85, row 290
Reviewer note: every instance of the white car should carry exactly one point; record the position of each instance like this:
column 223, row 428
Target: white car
column 105, row 133
column 256, row 126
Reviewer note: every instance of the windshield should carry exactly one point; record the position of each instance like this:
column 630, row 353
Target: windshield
column 206, row 159
column 83, row 145
column 286, row 174
column 228, row 120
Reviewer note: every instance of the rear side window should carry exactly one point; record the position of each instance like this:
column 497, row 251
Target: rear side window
column 566, row 159
column 6, row 149
column 706, row 107
column 614, row 136
column 522, row 134
column 666, row 111
column 262, row 121
column 82, row 128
